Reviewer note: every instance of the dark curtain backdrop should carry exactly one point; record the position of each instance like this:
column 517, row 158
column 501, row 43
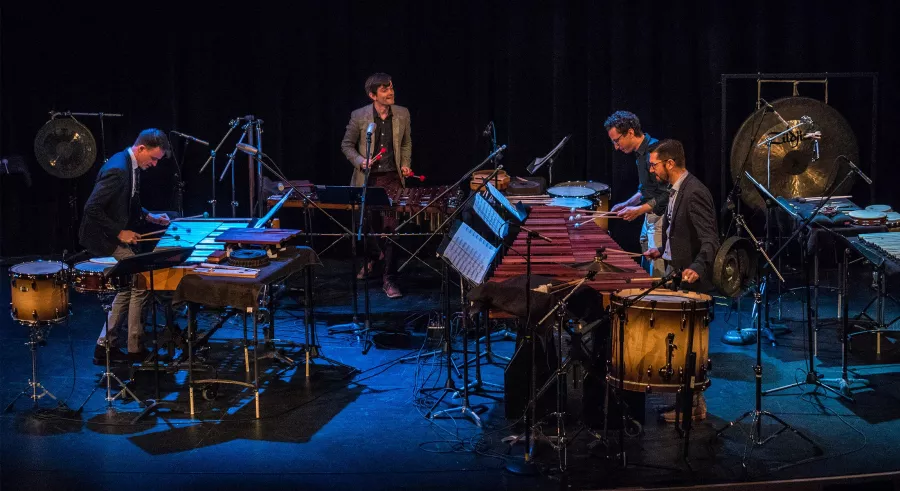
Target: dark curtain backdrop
column 540, row 70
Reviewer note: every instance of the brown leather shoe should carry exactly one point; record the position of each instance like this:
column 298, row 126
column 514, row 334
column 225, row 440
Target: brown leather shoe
column 698, row 413
column 362, row 271
column 391, row 290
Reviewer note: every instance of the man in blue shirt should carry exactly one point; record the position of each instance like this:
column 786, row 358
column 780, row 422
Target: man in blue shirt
column 652, row 196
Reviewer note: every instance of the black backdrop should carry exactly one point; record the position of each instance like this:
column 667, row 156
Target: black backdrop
column 539, row 70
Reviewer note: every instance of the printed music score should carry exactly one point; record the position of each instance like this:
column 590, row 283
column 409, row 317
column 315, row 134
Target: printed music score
column 468, row 252
column 490, row 216
column 500, row 198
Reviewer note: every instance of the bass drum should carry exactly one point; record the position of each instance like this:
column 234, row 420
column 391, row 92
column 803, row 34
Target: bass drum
column 40, row 292
column 600, row 196
column 656, row 340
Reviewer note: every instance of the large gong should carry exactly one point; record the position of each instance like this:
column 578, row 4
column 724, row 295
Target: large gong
column 793, row 171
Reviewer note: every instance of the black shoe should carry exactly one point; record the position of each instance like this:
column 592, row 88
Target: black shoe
column 115, row 356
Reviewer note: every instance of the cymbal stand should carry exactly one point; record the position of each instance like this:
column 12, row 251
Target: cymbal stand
column 755, row 437
column 37, row 391
column 109, row 375
column 479, row 383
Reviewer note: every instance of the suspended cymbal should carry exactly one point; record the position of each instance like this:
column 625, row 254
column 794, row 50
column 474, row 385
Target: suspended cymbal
column 598, row 266
column 793, row 171
column 65, row 148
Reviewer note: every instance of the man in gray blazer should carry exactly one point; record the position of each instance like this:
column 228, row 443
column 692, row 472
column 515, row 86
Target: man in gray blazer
column 690, row 233
column 389, row 158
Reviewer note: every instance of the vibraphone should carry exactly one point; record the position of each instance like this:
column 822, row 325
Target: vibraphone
column 405, row 201
column 570, row 245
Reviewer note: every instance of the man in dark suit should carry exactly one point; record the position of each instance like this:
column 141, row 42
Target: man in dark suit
column 111, row 214
column 389, row 159
column 690, row 232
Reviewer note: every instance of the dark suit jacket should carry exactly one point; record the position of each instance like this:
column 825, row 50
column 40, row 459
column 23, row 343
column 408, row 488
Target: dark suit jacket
column 110, row 208
column 354, row 143
column 694, row 236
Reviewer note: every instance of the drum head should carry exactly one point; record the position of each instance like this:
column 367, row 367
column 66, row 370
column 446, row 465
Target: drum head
column 893, row 217
column 663, row 299
column 92, row 267
column 598, row 187
column 867, row 215
column 571, row 192
column 104, row 260
column 879, row 208
column 38, row 268
column 571, row 202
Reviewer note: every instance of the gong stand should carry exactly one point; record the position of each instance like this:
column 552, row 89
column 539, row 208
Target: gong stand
column 754, row 437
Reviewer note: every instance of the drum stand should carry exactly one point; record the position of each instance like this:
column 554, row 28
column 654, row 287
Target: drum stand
column 755, row 438
column 109, row 376
column 34, row 390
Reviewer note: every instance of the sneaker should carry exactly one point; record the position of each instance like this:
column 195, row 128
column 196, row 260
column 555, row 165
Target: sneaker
column 698, row 414
column 391, row 290
column 115, row 356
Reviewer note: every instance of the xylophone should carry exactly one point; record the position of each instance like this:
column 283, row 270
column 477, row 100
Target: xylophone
column 570, row 245
column 405, row 201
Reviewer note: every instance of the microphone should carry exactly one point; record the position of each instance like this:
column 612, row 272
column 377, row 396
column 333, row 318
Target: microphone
column 487, row 129
column 856, row 169
column 370, row 129
column 192, row 138
column 775, row 111
column 249, row 149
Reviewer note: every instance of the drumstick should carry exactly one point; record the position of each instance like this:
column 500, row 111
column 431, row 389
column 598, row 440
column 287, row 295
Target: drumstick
column 176, row 237
column 153, row 233
column 205, row 214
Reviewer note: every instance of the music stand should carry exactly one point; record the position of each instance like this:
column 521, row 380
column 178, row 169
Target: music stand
column 149, row 262
column 548, row 159
column 351, row 196
column 471, row 256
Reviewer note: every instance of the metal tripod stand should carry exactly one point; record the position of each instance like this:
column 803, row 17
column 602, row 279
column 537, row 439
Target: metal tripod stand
column 34, row 389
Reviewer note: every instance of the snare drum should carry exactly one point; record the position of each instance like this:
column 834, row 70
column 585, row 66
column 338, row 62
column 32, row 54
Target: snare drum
column 656, row 340
column 880, row 208
column 579, row 203
column 40, row 292
column 89, row 277
column 867, row 218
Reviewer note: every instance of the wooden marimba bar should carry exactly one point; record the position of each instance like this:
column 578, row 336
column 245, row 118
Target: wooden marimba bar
column 570, row 245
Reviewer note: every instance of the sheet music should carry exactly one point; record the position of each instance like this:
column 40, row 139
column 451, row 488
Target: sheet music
column 498, row 196
column 490, row 216
column 470, row 253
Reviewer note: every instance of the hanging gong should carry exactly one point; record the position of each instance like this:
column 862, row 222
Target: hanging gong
column 65, row 148
column 794, row 172
column 734, row 268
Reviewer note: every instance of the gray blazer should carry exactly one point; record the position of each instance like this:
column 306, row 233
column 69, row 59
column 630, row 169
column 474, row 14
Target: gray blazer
column 354, row 143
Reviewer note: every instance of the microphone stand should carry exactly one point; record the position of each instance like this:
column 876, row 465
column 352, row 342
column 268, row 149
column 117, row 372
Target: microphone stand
column 228, row 166
column 359, row 232
column 212, row 159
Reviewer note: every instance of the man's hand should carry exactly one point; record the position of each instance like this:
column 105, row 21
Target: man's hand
column 618, row 207
column 629, row 213
column 365, row 165
column 128, row 237
column 406, row 171
column 653, row 253
column 161, row 219
column 689, row 276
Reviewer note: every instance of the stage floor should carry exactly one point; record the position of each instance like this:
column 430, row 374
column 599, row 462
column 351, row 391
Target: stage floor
column 336, row 430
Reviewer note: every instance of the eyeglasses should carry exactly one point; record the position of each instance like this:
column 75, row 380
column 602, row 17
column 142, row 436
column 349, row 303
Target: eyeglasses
column 660, row 162
column 616, row 140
